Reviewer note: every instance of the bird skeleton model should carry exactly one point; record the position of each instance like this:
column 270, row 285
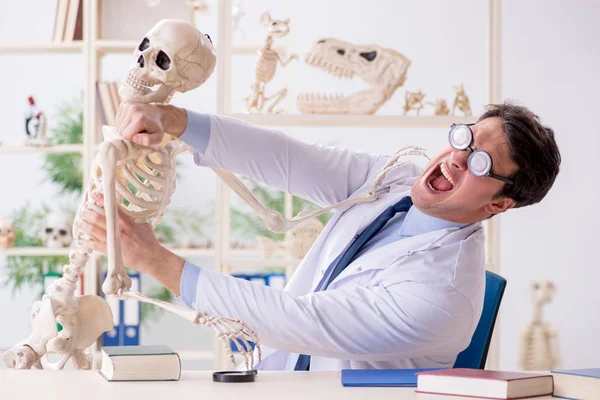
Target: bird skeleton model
column 172, row 57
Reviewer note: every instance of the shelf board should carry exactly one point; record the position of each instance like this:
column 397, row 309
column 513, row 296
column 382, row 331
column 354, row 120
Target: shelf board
column 128, row 46
column 35, row 251
column 356, row 121
column 61, row 148
column 116, row 46
column 73, row 47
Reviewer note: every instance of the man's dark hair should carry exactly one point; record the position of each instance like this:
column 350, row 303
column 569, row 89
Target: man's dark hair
column 532, row 147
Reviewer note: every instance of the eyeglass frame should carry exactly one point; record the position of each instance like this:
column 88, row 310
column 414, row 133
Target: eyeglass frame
column 471, row 152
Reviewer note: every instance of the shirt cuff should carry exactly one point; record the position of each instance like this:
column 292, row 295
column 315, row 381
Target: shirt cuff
column 188, row 284
column 197, row 131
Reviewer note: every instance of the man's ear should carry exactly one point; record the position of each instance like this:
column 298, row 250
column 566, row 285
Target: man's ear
column 497, row 206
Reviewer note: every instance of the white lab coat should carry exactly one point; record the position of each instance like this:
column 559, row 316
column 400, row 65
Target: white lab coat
column 413, row 303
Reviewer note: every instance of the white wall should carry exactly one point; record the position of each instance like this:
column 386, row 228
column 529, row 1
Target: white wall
column 551, row 64
column 548, row 65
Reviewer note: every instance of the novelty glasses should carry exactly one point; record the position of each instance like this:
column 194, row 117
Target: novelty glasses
column 479, row 161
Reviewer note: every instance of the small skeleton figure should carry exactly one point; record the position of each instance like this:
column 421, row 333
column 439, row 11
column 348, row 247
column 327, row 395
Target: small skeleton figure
column 461, row 101
column 539, row 341
column 413, row 101
column 35, row 125
column 57, row 230
column 197, row 5
column 297, row 242
column 7, row 234
column 266, row 66
column 441, row 107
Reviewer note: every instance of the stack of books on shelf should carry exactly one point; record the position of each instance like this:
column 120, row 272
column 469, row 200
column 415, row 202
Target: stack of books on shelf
column 108, row 101
column 68, row 24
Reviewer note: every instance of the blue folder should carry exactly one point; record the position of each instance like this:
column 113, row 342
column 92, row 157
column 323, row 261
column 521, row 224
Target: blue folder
column 381, row 377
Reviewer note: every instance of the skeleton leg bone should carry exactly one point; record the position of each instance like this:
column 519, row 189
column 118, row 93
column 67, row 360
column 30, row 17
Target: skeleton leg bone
column 117, row 278
column 278, row 98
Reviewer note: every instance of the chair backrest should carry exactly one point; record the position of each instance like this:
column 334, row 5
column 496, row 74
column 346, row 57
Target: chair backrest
column 475, row 355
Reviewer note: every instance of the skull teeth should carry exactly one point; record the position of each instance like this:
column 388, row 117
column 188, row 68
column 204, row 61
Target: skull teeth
column 337, row 70
column 320, row 97
column 137, row 83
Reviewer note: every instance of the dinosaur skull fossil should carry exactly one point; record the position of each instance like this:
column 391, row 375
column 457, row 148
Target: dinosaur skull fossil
column 173, row 56
column 57, row 230
column 384, row 70
column 7, row 234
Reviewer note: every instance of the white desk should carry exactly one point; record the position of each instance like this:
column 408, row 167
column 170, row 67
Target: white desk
column 198, row 385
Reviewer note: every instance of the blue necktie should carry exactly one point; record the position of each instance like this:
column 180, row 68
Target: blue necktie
column 403, row 205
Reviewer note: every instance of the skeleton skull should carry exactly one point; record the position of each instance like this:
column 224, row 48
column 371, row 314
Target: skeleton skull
column 172, row 57
column 56, row 232
column 7, row 235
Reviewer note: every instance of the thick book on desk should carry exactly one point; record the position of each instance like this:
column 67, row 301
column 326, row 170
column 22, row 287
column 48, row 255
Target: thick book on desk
column 140, row 363
column 381, row 377
column 577, row 383
column 485, row 384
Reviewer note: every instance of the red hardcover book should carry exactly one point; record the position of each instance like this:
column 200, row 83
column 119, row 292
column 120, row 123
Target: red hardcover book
column 485, row 384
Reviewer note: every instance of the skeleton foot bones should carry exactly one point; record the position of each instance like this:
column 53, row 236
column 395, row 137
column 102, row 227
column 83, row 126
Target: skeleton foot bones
column 139, row 181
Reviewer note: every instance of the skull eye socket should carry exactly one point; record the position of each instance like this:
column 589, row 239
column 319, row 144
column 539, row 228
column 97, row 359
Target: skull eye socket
column 163, row 61
column 63, row 232
column 49, row 230
column 144, row 45
column 369, row 56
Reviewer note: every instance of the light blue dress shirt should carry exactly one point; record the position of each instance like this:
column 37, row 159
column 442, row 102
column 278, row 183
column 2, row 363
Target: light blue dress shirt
column 401, row 226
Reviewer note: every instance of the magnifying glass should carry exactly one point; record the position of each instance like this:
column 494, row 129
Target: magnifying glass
column 235, row 376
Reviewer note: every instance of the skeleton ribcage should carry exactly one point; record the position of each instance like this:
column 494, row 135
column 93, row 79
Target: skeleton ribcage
column 144, row 182
column 266, row 64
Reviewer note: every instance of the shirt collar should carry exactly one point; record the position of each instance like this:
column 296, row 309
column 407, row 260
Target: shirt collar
column 417, row 223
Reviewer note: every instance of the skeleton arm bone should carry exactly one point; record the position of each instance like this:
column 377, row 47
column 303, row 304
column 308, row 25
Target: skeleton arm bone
column 110, row 153
column 286, row 62
column 321, row 174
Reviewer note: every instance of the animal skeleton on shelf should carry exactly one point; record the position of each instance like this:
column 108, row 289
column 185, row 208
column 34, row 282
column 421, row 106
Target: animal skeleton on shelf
column 539, row 341
column 413, row 101
column 441, row 107
column 173, row 57
column 266, row 66
column 384, row 70
column 461, row 101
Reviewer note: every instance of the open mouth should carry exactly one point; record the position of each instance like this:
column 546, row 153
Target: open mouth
column 337, row 70
column 440, row 179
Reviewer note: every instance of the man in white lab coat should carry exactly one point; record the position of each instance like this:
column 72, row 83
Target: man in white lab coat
column 411, row 295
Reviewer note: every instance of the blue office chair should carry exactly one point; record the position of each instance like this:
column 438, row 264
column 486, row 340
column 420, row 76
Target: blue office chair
column 475, row 355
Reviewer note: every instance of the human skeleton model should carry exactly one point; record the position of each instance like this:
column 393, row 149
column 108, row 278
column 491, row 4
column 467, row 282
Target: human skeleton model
column 384, row 70
column 173, row 57
column 461, row 101
column 539, row 341
column 266, row 66
column 413, row 101
column 7, row 234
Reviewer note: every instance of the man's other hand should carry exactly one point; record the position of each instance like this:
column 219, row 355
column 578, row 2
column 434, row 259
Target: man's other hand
column 146, row 124
column 139, row 247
